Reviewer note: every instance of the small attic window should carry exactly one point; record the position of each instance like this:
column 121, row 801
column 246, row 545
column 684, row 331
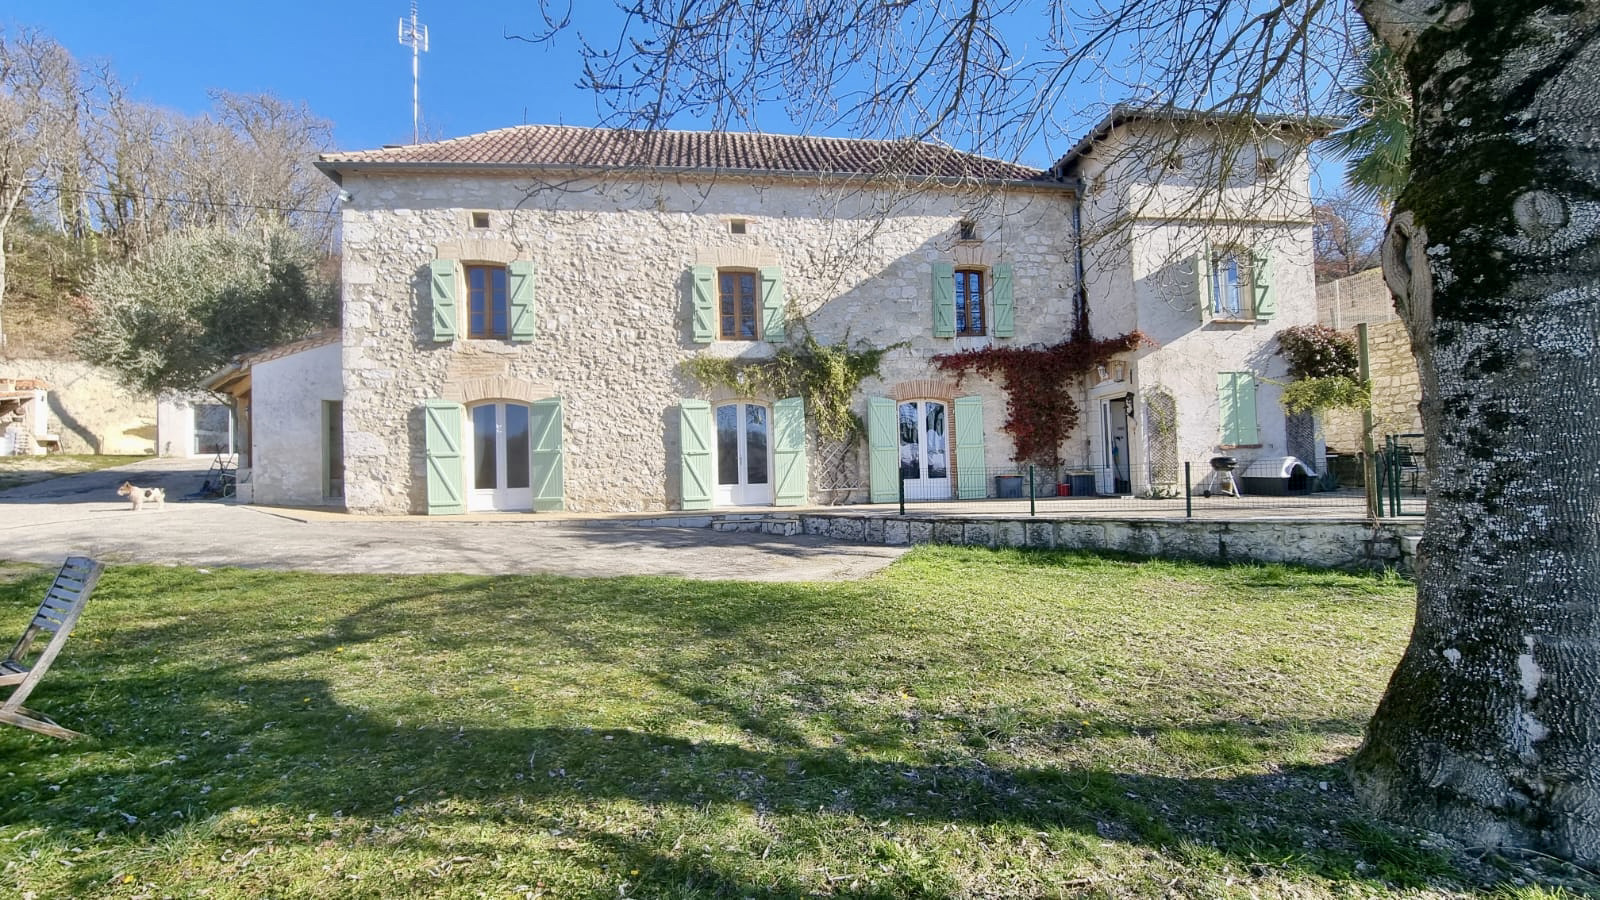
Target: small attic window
column 968, row 230
column 738, row 226
column 1266, row 166
column 1173, row 162
column 480, row 219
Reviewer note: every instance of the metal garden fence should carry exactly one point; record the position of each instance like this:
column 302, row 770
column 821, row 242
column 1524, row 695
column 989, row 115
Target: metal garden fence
column 1202, row 492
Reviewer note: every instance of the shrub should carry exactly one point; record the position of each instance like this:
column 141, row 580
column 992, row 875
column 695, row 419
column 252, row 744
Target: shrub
column 1317, row 351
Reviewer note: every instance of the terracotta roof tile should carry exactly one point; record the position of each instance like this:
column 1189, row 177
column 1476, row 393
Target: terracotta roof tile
column 714, row 151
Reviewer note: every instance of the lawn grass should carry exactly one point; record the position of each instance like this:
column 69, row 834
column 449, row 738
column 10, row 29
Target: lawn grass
column 968, row 723
column 16, row 471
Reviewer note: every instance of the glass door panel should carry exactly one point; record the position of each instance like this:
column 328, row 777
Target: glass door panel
column 934, row 440
column 486, row 449
column 519, row 456
column 910, row 443
column 755, row 445
column 728, row 444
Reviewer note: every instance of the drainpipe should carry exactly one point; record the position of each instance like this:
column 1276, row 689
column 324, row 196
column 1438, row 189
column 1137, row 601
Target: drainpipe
column 1080, row 299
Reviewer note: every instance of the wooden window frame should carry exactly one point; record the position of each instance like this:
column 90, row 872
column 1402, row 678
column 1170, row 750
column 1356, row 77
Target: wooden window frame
column 474, row 297
column 964, row 323
column 1245, row 285
column 723, row 301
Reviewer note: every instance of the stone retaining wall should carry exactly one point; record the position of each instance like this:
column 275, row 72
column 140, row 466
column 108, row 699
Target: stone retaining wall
column 1349, row 544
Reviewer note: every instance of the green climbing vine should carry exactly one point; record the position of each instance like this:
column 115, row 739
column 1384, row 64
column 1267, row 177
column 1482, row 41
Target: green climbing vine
column 1328, row 392
column 825, row 375
column 1040, row 411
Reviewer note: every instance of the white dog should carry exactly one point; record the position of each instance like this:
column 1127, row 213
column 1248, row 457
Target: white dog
column 139, row 496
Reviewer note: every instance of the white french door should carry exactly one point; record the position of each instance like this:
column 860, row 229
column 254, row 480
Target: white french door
column 925, row 449
column 501, row 460
column 743, row 455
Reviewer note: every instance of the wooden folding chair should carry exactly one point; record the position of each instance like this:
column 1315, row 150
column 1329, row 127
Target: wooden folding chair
column 62, row 605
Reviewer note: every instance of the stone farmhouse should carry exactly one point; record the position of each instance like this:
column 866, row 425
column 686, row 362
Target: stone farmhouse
column 518, row 307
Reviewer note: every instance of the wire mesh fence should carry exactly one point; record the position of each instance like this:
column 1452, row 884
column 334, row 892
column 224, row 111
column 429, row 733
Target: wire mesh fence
column 1275, row 488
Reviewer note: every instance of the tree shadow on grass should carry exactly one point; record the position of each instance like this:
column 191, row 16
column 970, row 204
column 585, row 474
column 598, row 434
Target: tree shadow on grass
column 295, row 749
column 195, row 717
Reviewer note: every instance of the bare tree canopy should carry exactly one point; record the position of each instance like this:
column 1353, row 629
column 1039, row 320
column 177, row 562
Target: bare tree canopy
column 985, row 76
column 82, row 155
column 1491, row 726
column 38, row 95
column 1345, row 236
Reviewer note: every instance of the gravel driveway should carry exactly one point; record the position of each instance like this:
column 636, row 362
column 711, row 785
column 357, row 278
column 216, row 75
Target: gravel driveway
column 81, row 514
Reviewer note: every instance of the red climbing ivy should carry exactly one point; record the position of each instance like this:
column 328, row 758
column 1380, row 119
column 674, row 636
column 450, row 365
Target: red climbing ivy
column 1040, row 412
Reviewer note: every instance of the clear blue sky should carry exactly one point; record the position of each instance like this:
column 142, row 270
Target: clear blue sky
column 342, row 58
column 339, row 56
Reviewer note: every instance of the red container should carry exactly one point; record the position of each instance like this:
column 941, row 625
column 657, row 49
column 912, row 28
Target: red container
column 1063, row 490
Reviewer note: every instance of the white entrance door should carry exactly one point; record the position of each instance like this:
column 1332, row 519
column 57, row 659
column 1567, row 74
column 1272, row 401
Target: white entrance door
column 744, row 456
column 925, row 449
column 1113, row 469
column 501, row 458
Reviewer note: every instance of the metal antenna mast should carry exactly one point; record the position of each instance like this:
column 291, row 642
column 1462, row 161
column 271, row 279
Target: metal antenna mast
column 417, row 36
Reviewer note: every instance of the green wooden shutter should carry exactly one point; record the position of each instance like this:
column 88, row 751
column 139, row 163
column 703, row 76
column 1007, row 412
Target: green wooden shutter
column 442, row 287
column 520, row 306
column 944, row 300
column 789, row 451
column 1236, row 395
column 544, row 425
column 704, row 294
column 1245, row 405
column 694, row 442
column 773, row 311
column 1261, row 273
column 1227, row 409
column 1202, row 280
column 883, row 447
column 971, row 464
column 442, row 424
column 1004, row 307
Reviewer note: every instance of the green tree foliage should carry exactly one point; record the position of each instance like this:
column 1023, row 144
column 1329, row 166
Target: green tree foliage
column 195, row 299
column 1377, row 143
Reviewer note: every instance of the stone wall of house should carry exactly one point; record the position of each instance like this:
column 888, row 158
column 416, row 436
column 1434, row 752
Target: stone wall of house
column 614, row 307
column 88, row 410
column 1191, row 352
column 1150, row 184
column 289, row 456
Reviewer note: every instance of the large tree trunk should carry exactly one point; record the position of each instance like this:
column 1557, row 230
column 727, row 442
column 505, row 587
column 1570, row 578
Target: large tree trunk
column 1490, row 729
